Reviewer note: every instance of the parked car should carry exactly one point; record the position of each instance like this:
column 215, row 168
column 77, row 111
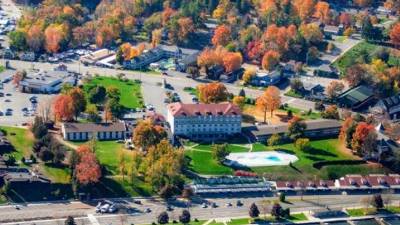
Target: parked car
column 239, row 203
column 204, row 205
column 147, row 210
column 1, row 113
column 214, row 205
column 169, row 208
column 137, row 202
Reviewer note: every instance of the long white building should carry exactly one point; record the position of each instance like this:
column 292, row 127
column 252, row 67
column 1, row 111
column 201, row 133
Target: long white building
column 204, row 121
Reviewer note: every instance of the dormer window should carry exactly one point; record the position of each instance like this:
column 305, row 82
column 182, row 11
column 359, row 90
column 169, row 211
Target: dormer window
column 219, row 113
column 364, row 181
column 198, row 113
column 352, row 182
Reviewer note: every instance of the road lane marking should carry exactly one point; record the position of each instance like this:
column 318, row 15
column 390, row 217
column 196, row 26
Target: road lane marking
column 93, row 219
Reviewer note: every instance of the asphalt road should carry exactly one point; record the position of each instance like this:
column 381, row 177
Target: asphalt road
column 51, row 213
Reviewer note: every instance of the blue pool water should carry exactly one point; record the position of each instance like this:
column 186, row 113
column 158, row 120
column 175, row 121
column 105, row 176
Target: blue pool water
column 273, row 158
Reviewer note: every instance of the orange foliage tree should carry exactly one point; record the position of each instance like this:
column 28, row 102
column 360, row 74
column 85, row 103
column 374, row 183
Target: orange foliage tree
column 146, row 134
column 270, row 60
column 363, row 130
column 232, row 61
column 222, row 35
column 212, row 93
column 270, row 100
column 35, row 37
column 63, row 108
column 395, row 34
column 304, row 8
column 322, row 11
column 54, row 35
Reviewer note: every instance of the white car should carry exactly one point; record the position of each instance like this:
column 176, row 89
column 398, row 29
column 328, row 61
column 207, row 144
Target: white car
column 104, row 208
column 112, row 209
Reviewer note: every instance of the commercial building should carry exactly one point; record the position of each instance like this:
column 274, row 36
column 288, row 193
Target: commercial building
column 267, row 78
column 46, row 81
column 315, row 129
column 86, row 131
column 204, row 121
column 93, row 57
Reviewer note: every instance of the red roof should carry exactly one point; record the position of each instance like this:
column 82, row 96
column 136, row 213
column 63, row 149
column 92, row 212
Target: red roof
column 305, row 184
column 225, row 109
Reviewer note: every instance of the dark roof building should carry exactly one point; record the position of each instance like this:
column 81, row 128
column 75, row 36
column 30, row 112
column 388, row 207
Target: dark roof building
column 388, row 106
column 356, row 98
column 315, row 128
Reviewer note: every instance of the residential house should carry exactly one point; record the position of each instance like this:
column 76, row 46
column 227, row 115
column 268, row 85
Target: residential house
column 326, row 70
column 215, row 72
column 27, row 56
column 388, row 108
column 315, row 129
column 204, row 121
column 86, row 131
column 47, row 81
column 357, row 98
column 385, row 145
column 381, row 10
column 312, row 90
column 266, row 78
column 332, row 30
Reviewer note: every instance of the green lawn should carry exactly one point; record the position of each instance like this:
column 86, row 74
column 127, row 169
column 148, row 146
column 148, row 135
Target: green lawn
column 306, row 115
column 191, row 90
column 292, row 93
column 61, row 175
column 296, row 217
column 131, row 96
column 354, row 54
column 201, row 161
column 21, row 139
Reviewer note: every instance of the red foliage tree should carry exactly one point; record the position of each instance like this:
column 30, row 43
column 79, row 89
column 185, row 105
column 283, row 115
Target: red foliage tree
column 360, row 135
column 63, row 108
column 270, row 60
column 232, row 61
column 255, row 50
column 88, row 169
column 395, row 34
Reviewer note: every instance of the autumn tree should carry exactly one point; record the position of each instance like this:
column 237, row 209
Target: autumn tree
column 322, row 11
column 212, row 93
column 362, row 3
column 232, row 61
column 88, row 170
column 363, row 130
column 395, row 34
column 239, row 101
column 270, row 100
column 186, row 27
column 355, row 75
column 146, row 134
column 156, row 36
column 54, row 36
column 334, row 89
column 222, row 35
column 79, row 101
column 346, row 20
column 331, row 112
column 18, row 77
column 35, row 38
column 63, row 108
column 304, row 8
column 311, row 32
column 270, row 60
column 347, row 130
column 248, row 75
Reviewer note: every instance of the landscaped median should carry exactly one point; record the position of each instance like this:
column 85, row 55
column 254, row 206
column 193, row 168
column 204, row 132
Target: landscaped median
column 295, row 217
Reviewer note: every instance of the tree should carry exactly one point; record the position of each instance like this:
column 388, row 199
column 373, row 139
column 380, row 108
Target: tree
column 35, row 38
column 305, row 8
column 319, row 106
column 63, row 108
column 185, row 217
column 219, row 152
column 239, row 101
column 346, row 20
column 360, row 135
column 334, row 89
column 269, row 101
column 248, row 75
column 17, row 40
column 311, row 33
column 222, row 35
column 296, row 128
column 212, row 93
column 302, row 144
column 70, row 221
column 270, row 60
column 276, row 211
column 296, row 85
column 322, row 11
column 355, row 75
column 275, row 139
column 254, row 212
column 93, row 114
column 331, row 112
column 347, row 130
column 79, row 101
column 312, row 55
column 39, row 128
column 147, row 134
column 163, row 218
column 54, row 36
column 395, row 34
column 186, row 27
column 232, row 61
column 242, row 93
column 88, row 169
column 362, row 3
column 97, row 95
column 18, row 77
column 377, row 201
column 156, row 36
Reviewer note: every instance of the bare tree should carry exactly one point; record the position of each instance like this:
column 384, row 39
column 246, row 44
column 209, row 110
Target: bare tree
column 366, row 202
column 44, row 109
column 123, row 219
column 265, row 207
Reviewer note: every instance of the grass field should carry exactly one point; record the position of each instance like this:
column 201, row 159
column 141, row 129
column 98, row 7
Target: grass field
column 201, row 161
column 21, row 139
column 131, row 96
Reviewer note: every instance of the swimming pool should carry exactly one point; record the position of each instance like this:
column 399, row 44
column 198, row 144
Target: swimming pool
column 256, row 159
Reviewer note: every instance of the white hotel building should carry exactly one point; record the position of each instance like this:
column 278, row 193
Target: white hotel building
column 204, row 121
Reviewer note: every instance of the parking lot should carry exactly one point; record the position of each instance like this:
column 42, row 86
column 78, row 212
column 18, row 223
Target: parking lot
column 17, row 108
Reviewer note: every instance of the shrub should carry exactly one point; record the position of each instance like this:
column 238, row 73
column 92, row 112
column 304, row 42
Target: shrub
column 163, row 218
column 185, row 217
column 282, row 197
column 275, row 139
column 302, row 144
column 254, row 212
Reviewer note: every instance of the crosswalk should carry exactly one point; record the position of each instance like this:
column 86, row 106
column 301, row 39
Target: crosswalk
column 93, row 219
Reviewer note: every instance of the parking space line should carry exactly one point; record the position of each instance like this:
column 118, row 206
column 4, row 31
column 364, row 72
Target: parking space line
column 93, row 219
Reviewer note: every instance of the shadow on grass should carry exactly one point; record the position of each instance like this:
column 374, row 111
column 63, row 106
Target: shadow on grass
column 317, row 151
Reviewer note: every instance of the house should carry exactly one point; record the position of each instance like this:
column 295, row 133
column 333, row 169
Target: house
column 356, row 98
column 289, row 68
column 312, row 88
column 388, row 107
column 93, row 57
column 86, row 131
column 312, row 185
column 315, row 129
column 381, row 10
column 385, row 145
column 5, row 144
column 204, row 121
column 332, row 30
column 47, row 81
column 326, row 70
column 215, row 72
column 266, row 78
